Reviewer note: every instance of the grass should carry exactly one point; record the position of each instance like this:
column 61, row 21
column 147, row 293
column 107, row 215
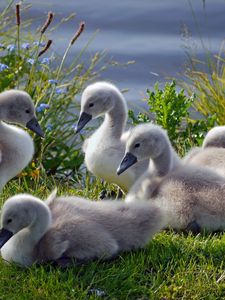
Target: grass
column 172, row 266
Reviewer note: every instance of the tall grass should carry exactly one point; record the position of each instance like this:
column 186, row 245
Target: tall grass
column 207, row 80
column 206, row 76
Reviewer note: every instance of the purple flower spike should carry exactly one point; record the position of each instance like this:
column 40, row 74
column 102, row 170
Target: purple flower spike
column 38, row 109
column 25, row 46
column 11, row 48
column 42, row 107
column 3, row 67
column 45, row 106
column 45, row 61
column 30, row 61
column 53, row 81
column 60, row 91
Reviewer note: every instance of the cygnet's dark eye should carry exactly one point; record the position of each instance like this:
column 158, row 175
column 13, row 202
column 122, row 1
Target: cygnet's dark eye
column 27, row 111
column 91, row 105
column 9, row 221
column 137, row 145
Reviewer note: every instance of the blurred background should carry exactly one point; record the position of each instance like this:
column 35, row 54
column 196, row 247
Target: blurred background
column 153, row 34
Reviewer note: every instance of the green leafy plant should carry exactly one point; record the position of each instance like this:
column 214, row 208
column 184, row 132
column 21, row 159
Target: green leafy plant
column 171, row 109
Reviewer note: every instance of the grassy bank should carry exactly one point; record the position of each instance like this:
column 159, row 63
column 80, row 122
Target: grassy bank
column 172, row 266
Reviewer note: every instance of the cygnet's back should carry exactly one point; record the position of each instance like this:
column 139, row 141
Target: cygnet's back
column 215, row 137
column 99, row 229
column 211, row 157
column 192, row 194
column 212, row 152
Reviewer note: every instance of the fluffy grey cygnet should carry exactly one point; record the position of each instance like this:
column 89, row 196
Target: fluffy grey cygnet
column 16, row 145
column 104, row 149
column 193, row 196
column 36, row 231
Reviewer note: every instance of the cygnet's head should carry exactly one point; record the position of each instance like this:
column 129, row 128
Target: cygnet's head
column 144, row 142
column 17, row 107
column 96, row 100
column 17, row 213
column 215, row 137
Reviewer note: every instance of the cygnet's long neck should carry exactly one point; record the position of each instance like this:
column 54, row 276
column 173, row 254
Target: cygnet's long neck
column 41, row 222
column 115, row 120
column 165, row 162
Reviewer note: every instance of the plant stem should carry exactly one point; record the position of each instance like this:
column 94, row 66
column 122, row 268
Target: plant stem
column 59, row 71
column 62, row 62
column 18, row 49
column 34, row 64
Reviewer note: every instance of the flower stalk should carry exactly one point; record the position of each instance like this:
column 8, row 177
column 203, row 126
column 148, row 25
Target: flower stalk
column 49, row 42
column 47, row 23
column 78, row 33
column 18, row 21
column 37, row 53
column 74, row 38
column 43, row 29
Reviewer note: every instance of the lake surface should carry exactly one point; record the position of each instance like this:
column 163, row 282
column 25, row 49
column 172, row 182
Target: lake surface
column 146, row 31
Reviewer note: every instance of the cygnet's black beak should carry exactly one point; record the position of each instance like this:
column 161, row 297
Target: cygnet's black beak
column 35, row 127
column 82, row 121
column 5, row 235
column 128, row 160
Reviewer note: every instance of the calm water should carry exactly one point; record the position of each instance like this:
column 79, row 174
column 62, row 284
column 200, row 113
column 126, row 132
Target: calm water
column 147, row 31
